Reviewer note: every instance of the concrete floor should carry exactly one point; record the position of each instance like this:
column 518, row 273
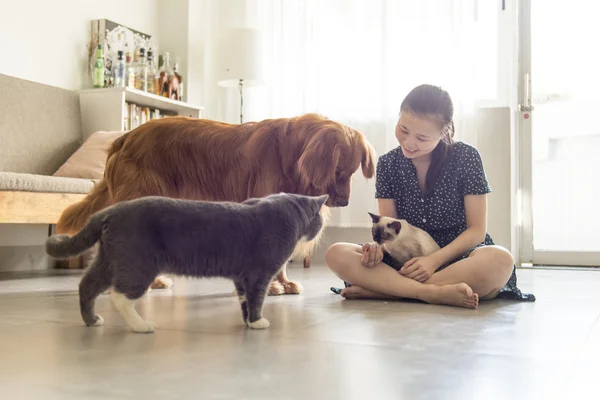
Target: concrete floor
column 319, row 345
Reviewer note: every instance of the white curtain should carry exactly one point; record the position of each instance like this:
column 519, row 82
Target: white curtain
column 355, row 60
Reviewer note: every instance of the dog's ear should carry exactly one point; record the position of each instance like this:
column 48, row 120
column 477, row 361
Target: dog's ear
column 319, row 160
column 368, row 157
column 396, row 225
column 375, row 218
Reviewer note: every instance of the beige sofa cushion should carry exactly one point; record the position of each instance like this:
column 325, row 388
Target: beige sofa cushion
column 89, row 161
column 18, row 182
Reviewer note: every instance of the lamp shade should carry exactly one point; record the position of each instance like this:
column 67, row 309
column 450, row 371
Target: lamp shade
column 240, row 57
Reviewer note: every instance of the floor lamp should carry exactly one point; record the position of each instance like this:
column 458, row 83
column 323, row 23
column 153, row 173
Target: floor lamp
column 240, row 60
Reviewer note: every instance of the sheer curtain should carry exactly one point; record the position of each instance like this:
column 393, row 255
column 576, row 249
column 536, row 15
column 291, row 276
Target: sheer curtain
column 355, row 60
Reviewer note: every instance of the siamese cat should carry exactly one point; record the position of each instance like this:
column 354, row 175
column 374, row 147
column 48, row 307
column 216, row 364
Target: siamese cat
column 401, row 240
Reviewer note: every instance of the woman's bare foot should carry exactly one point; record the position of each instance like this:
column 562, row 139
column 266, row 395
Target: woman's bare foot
column 460, row 295
column 356, row 292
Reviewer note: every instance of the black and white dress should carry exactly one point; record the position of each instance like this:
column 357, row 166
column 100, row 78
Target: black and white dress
column 442, row 212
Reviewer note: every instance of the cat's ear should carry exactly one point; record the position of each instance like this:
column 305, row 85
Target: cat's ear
column 396, row 225
column 322, row 199
column 375, row 218
column 251, row 201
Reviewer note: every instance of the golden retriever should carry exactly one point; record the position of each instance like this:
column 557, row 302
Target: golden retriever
column 209, row 160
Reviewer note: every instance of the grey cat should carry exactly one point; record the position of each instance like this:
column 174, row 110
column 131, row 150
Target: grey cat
column 247, row 242
column 401, row 240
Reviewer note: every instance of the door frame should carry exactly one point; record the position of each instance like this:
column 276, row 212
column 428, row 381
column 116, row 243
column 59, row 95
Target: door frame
column 525, row 114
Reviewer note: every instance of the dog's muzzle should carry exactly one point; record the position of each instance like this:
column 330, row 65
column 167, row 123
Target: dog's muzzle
column 341, row 203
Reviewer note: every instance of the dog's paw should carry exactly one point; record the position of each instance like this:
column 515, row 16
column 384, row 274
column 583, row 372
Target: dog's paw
column 162, row 282
column 276, row 288
column 262, row 323
column 292, row 287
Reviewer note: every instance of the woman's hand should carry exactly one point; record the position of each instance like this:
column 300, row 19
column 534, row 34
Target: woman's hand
column 419, row 268
column 372, row 254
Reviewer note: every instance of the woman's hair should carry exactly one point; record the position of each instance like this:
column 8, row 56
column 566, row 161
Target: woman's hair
column 430, row 101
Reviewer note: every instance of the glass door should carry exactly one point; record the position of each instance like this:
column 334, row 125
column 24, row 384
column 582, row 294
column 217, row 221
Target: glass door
column 559, row 131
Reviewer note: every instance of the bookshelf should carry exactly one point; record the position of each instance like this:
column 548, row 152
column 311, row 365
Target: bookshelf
column 108, row 109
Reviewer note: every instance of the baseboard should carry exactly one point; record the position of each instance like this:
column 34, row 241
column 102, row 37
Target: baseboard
column 24, row 258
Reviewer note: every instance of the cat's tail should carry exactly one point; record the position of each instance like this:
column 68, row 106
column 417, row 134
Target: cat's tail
column 65, row 246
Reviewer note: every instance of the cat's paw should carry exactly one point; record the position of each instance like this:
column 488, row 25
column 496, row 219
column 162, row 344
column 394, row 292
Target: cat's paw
column 262, row 323
column 99, row 321
column 144, row 327
column 162, row 282
column 292, row 287
column 276, row 288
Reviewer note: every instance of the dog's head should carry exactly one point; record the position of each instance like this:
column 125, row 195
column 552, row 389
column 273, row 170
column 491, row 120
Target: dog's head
column 330, row 154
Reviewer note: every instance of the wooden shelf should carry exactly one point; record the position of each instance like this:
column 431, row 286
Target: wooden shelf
column 149, row 100
column 105, row 109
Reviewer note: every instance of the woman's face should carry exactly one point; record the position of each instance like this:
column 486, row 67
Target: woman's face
column 418, row 136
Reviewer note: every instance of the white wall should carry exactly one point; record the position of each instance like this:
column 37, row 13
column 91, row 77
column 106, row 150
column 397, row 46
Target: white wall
column 188, row 30
column 206, row 18
column 495, row 144
column 173, row 34
column 45, row 41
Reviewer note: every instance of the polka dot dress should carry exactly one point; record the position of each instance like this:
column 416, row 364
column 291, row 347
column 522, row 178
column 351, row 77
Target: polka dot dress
column 442, row 212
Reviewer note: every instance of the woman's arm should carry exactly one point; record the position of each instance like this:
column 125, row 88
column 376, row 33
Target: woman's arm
column 372, row 252
column 476, row 213
column 387, row 208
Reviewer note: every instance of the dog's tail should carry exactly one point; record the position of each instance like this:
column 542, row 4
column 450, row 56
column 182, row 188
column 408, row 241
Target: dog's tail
column 65, row 246
column 74, row 217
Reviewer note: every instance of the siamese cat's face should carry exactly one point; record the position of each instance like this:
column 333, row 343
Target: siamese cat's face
column 384, row 229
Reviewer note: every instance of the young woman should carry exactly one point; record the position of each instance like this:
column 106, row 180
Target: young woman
column 440, row 186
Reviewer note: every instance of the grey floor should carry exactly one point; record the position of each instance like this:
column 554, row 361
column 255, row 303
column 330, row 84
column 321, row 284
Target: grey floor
column 319, row 345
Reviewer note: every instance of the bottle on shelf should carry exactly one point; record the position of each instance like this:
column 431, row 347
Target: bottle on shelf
column 120, row 70
column 99, row 68
column 130, row 71
column 177, row 84
column 166, row 75
column 152, row 75
column 141, row 72
column 162, row 75
column 134, row 67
